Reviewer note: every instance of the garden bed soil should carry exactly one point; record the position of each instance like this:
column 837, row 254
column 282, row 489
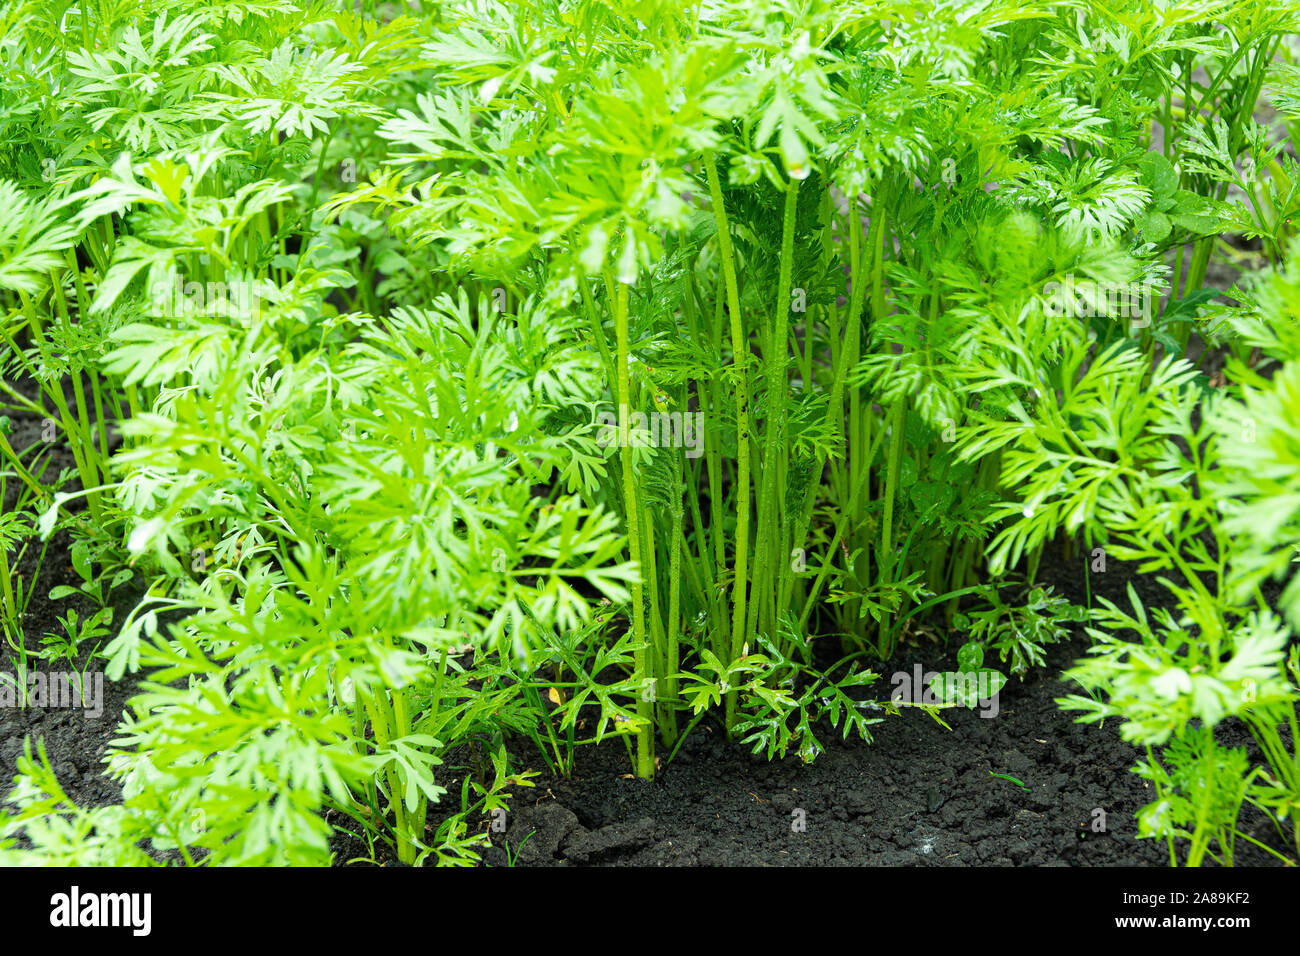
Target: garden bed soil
column 920, row 795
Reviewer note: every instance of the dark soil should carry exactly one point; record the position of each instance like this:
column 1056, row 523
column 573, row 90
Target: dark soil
column 920, row 795
column 75, row 740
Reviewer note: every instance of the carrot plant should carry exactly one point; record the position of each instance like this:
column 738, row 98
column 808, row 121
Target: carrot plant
column 560, row 370
column 1208, row 508
column 332, row 508
column 822, row 228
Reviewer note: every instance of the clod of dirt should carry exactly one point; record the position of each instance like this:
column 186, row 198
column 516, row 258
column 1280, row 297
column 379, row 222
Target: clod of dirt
column 535, row 833
column 584, row 846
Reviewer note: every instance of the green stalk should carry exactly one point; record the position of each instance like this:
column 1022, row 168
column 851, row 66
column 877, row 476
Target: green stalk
column 558, row 766
column 414, row 819
column 1200, row 833
column 673, row 651
column 1087, row 581
column 704, row 577
column 878, row 306
column 97, row 391
column 9, row 614
column 597, row 329
column 83, row 307
column 840, row 525
column 76, row 439
column 645, row 761
column 717, row 527
column 856, row 435
column 8, row 453
column 380, row 727
column 859, row 467
column 898, row 423
column 706, row 585
column 657, row 631
column 93, row 456
column 740, row 351
column 769, row 519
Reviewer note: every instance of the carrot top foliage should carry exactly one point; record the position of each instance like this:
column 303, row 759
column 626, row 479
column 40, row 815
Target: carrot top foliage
column 439, row 374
